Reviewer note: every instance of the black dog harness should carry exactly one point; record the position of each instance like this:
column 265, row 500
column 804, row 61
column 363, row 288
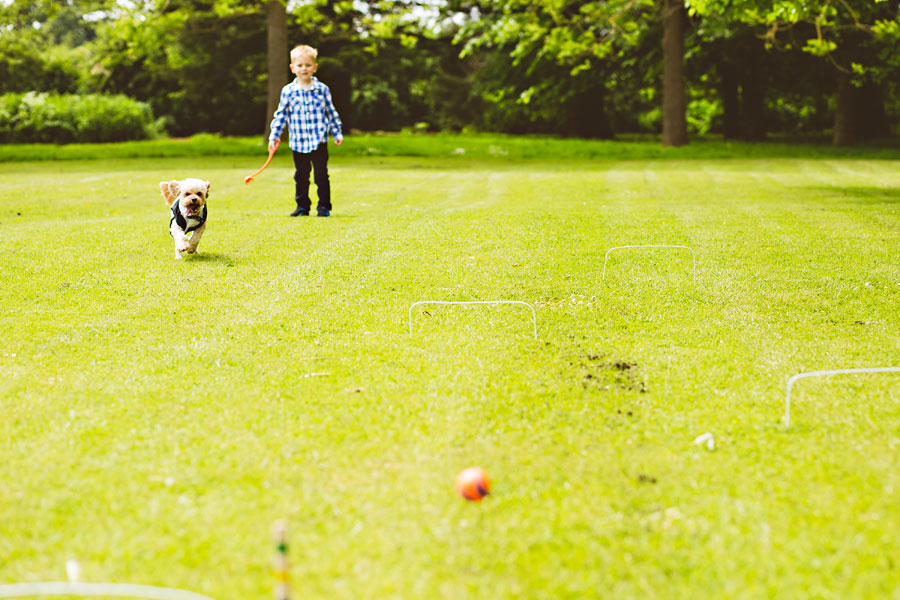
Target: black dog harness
column 188, row 224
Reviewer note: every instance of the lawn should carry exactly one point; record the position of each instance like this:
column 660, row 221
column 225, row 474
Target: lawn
column 160, row 415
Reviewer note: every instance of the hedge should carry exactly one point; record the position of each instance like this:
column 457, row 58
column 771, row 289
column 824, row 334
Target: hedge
column 36, row 117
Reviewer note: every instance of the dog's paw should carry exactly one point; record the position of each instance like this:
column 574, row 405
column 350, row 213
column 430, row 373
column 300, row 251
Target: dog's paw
column 177, row 255
column 181, row 246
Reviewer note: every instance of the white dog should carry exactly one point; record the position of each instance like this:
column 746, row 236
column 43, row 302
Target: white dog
column 187, row 200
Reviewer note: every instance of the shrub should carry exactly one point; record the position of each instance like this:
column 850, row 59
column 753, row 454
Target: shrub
column 26, row 64
column 61, row 119
column 700, row 115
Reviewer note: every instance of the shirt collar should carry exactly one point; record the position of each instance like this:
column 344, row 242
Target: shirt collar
column 313, row 85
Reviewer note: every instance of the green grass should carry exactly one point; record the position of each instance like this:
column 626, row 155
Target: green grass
column 159, row 415
column 478, row 146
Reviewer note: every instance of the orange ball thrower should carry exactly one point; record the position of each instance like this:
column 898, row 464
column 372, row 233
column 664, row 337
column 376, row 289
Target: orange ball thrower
column 249, row 178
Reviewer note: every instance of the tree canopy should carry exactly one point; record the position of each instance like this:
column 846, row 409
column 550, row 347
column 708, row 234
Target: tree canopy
column 743, row 68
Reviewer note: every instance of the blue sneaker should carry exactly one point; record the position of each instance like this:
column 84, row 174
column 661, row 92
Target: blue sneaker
column 323, row 213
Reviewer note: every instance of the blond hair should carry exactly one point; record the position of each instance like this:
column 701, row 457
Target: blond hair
column 304, row 50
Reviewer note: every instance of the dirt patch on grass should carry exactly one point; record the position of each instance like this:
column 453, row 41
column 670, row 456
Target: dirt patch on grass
column 604, row 373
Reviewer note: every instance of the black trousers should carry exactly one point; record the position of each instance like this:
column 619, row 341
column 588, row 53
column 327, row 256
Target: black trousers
column 318, row 160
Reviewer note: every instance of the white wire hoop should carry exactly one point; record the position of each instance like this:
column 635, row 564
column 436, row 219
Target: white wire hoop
column 74, row 588
column 693, row 258
column 792, row 380
column 443, row 302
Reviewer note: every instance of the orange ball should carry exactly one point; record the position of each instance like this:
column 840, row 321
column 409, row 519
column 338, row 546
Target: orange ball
column 473, row 483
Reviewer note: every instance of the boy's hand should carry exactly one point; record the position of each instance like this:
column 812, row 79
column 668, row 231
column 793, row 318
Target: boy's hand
column 273, row 146
column 338, row 141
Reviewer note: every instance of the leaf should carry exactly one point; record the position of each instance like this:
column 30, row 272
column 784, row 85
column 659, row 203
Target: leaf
column 886, row 29
column 819, row 47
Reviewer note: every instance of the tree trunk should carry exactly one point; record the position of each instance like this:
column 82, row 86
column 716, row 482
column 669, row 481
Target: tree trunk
column 674, row 131
column 753, row 81
column 753, row 125
column 868, row 107
column 844, row 125
column 277, row 53
column 586, row 113
column 731, row 107
column 753, row 114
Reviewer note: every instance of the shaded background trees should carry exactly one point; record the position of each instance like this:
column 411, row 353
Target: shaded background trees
column 746, row 69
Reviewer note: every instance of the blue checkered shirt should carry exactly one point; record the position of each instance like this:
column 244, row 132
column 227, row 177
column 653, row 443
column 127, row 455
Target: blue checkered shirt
column 310, row 115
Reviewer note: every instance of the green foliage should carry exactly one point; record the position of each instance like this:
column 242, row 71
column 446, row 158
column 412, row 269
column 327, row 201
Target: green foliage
column 387, row 98
column 701, row 114
column 819, row 47
column 202, row 65
column 568, row 33
column 28, row 65
column 543, row 63
column 574, row 67
column 651, row 120
column 202, row 72
column 886, row 29
column 795, row 114
column 377, row 106
column 857, row 31
column 63, row 119
column 21, row 63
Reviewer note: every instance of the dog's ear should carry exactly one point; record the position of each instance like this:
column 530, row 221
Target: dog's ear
column 207, row 189
column 169, row 191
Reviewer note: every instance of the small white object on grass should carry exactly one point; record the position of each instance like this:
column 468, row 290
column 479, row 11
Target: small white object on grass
column 706, row 439
column 73, row 571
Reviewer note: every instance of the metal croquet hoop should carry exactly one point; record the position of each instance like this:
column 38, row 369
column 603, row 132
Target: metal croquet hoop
column 790, row 383
column 118, row 590
column 693, row 258
column 533, row 315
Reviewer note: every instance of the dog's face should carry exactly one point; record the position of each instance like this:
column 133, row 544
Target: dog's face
column 191, row 192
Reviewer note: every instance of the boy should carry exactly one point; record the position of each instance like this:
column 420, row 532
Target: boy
column 307, row 108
